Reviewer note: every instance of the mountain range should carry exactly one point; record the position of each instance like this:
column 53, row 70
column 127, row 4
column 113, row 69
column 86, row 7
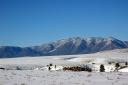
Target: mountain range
column 75, row 45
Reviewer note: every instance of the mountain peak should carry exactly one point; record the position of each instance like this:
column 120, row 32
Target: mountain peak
column 111, row 38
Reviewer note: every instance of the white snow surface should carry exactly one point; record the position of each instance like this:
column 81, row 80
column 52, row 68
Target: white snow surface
column 124, row 70
column 119, row 55
column 61, row 78
column 39, row 75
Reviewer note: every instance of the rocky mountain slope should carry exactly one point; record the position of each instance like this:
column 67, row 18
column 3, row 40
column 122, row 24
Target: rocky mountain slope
column 68, row 46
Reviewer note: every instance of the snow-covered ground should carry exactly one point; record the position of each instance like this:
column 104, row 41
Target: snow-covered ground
column 61, row 78
column 28, row 63
column 119, row 55
column 34, row 70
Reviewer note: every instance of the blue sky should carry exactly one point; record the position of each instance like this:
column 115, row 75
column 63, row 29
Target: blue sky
column 34, row 22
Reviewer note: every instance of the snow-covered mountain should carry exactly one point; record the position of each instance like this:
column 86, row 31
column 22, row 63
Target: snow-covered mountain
column 68, row 46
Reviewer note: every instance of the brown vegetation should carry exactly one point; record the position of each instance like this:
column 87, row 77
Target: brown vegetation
column 76, row 69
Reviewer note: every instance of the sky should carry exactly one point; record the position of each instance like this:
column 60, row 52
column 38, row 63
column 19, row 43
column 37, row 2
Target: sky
column 34, row 22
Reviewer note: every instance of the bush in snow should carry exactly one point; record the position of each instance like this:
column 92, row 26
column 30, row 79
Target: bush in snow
column 117, row 65
column 87, row 68
column 126, row 63
column 78, row 68
column 74, row 68
column 102, row 69
column 49, row 68
column 55, row 66
column 50, row 64
column 18, row 68
column 2, row 68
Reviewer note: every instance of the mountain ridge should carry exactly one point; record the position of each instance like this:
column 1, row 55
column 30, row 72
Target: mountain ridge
column 75, row 45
